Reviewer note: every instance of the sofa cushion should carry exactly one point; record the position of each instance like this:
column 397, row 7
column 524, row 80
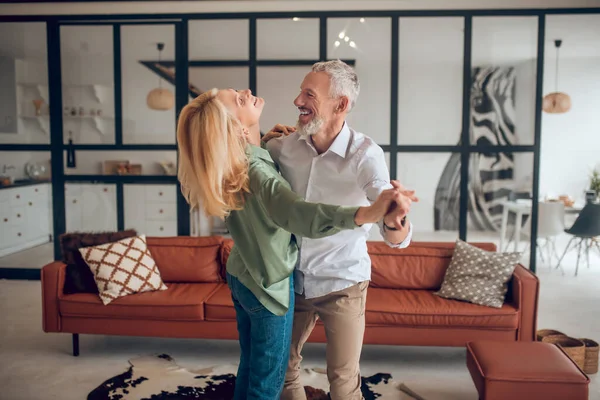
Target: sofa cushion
column 422, row 308
column 122, row 268
column 219, row 306
column 422, row 265
column 181, row 301
column 79, row 278
column 187, row 259
column 478, row 276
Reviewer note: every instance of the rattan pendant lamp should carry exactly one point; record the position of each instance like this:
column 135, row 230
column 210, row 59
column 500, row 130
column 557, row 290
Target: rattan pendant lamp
column 160, row 98
column 556, row 102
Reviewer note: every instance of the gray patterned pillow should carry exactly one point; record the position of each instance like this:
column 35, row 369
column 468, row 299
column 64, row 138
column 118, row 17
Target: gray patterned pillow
column 478, row 276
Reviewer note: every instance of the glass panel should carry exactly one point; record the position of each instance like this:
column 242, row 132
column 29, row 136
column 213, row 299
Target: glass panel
column 504, row 79
column 148, row 113
column 91, row 207
column 122, row 162
column 24, row 112
column 285, row 39
column 279, row 86
column 151, row 209
column 430, row 81
column 218, row 40
column 87, row 84
column 205, row 78
column 570, row 141
column 25, row 210
column 436, row 179
column 368, row 47
column 494, row 180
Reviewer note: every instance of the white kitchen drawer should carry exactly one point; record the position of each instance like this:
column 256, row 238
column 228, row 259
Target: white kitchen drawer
column 161, row 228
column 161, row 211
column 6, row 217
column 41, row 190
column 13, row 235
column 72, row 189
column 17, row 215
column 4, row 194
column 21, row 195
column 161, row 193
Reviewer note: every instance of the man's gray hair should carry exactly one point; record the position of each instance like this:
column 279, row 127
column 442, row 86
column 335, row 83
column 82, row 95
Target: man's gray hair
column 344, row 81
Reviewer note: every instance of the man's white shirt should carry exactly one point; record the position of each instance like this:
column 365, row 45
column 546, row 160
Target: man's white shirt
column 352, row 172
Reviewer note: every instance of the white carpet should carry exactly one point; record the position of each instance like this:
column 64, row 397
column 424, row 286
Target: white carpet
column 36, row 365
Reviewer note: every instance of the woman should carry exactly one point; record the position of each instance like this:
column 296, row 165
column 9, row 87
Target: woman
column 223, row 170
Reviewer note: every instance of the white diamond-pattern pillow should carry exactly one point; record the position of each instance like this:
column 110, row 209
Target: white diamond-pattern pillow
column 122, row 268
column 478, row 276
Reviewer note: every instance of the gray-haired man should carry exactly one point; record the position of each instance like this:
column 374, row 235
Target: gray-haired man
column 325, row 160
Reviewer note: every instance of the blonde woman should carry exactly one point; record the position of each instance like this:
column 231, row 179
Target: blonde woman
column 224, row 171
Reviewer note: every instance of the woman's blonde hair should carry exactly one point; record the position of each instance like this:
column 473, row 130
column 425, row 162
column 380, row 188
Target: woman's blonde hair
column 213, row 166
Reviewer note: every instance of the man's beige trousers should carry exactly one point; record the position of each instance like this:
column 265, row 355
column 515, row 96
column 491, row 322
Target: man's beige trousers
column 343, row 315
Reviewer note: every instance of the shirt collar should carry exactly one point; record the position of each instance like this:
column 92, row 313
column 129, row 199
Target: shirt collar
column 339, row 145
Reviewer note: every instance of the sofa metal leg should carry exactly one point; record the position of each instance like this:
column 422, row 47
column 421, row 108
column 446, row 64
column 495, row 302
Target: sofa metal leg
column 75, row 344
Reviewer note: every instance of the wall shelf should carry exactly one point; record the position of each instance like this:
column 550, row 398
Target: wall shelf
column 99, row 122
column 43, row 121
column 100, row 91
column 41, row 88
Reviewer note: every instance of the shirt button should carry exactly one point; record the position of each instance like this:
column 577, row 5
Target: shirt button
column 343, row 223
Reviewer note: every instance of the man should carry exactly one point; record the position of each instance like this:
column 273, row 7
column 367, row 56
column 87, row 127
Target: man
column 325, row 160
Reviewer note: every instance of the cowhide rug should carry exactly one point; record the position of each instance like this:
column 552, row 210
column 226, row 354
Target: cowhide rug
column 160, row 378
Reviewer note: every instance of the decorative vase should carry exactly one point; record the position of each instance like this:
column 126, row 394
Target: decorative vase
column 37, row 103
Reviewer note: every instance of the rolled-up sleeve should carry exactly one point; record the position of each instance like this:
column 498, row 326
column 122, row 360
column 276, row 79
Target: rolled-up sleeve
column 374, row 178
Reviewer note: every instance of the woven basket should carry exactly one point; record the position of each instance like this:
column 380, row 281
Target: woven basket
column 591, row 356
column 542, row 333
column 574, row 348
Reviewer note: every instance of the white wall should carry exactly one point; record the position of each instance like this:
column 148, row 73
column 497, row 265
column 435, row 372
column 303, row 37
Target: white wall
column 570, row 146
column 430, row 81
column 144, row 125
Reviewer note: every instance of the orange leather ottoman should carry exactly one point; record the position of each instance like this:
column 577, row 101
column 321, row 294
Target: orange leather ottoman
column 524, row 371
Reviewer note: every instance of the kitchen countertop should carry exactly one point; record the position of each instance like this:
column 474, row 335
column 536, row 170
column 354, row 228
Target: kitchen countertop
column 25, row 182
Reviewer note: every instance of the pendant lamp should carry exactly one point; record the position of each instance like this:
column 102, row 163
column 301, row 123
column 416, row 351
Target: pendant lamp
column 556, row 102
column 160, row 98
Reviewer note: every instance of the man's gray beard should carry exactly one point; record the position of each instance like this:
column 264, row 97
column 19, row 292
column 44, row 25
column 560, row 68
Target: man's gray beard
column 310, row 129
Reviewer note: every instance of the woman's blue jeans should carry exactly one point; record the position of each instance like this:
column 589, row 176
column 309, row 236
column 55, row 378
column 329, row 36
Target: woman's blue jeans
column 264, row 342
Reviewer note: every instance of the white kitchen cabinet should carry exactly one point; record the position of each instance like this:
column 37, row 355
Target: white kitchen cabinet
column 151, row 209
column 25, row 217
column 91, row 207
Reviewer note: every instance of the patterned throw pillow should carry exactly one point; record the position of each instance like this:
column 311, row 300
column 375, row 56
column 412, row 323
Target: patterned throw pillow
column 78, row 277
column 478, row 276
column 122, row 268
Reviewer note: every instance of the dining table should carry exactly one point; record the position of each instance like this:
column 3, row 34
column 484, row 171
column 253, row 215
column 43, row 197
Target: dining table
column 520, row 208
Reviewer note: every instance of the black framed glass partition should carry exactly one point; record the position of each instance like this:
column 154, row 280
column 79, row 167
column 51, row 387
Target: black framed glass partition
column 452, row 97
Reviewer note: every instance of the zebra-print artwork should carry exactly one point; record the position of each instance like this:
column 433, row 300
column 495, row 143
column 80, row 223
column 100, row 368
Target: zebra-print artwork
column 492, row 123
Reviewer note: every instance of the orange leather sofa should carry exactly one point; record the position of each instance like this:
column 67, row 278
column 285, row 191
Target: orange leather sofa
column 401, row 306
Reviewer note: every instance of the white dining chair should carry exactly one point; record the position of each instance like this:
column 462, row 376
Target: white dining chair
column 551, row 223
